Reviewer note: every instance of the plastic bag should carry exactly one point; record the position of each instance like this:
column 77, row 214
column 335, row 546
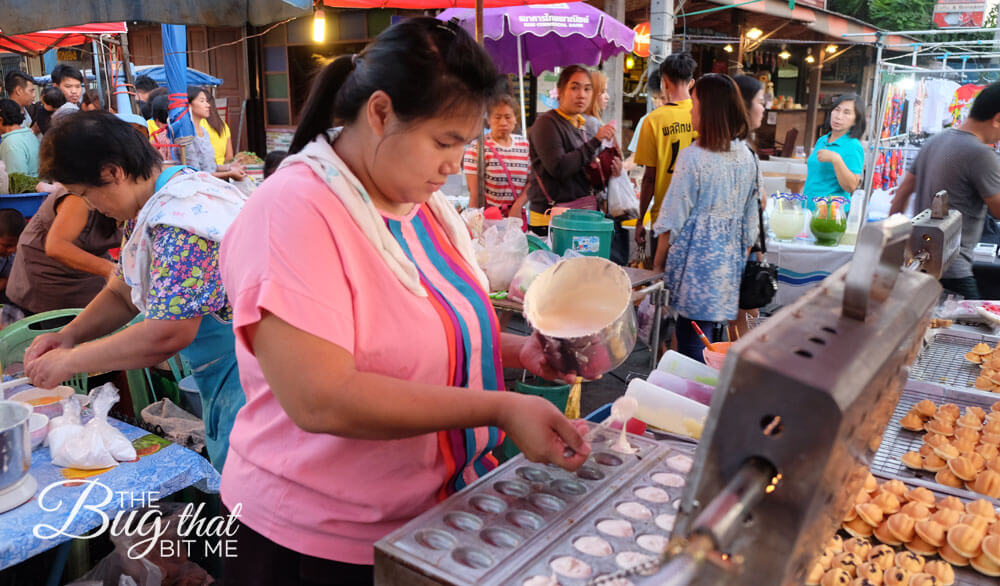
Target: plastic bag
column 177, row 424
column 137, row 561
column 474, row 221
column 94, row 445
column 622, row 202
column 117, row 570
column 644, row 319
column 531, row 267
column 500, row 252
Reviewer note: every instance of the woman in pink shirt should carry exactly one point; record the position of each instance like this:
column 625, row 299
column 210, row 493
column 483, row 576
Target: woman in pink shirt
column 368, row 349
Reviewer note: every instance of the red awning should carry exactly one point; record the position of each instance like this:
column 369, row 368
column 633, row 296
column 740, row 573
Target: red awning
column 40, row 42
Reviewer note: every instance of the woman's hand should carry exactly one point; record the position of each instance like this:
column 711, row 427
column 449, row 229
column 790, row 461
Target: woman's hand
column 236, row 172
column 50, row 369
column 827, row 156
column 534, row 361
column 543, row 433
column 616, row 166
column 46, row 343
column 606, row 132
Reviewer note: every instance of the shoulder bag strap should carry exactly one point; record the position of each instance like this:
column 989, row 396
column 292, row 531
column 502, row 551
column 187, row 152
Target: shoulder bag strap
column 760, row 210
column 503, row 165
column 541, row 185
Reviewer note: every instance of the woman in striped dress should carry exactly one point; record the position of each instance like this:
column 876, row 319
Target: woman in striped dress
column 370, row 354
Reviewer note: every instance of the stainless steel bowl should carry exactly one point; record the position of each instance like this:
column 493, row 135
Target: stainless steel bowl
column 581, row 311
column 15, row 442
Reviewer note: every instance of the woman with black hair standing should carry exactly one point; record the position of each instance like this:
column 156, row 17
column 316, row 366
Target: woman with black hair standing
column 560, row 150
column 369, row 350
column 709, row 216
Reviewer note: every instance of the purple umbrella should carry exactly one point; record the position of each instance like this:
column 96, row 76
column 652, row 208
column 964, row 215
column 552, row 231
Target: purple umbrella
column 546, row 36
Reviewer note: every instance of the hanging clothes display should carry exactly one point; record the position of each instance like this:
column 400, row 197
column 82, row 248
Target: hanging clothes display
column 920, row 97
column 893, row 116
column 939, row 95
column 962, row 101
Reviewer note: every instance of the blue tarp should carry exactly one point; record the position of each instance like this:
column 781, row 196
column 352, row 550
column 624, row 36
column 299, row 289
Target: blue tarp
column 194, row 77
column 175, row 64
column 156, row 72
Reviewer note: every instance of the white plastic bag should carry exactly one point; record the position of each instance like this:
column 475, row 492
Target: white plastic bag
column 621, row 198
column 94, row 445
column 534, row 264
column 500, row 252
column 474, row 221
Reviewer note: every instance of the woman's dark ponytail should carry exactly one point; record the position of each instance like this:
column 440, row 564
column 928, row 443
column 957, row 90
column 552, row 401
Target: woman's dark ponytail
column 318, row 113
column 425, row 66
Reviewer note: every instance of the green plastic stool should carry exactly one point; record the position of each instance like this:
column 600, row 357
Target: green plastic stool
column 15, row 339
column 555, row 393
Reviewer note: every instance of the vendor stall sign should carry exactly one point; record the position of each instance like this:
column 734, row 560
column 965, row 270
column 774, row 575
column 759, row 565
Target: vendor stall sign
column 959, row 14
column 641, row 45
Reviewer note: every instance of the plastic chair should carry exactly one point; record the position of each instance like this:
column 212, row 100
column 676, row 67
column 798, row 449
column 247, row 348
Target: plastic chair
column 15, row 339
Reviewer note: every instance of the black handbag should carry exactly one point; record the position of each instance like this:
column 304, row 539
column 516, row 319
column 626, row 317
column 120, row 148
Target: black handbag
column 760, row 278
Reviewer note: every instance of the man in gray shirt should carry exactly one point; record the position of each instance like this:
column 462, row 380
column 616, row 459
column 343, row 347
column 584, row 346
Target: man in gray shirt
column 959, row 161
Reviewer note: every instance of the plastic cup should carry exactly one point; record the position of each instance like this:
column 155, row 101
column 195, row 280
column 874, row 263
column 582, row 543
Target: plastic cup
column 717, row 356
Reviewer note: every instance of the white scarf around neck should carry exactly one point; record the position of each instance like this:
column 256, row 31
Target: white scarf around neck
column 331, row 169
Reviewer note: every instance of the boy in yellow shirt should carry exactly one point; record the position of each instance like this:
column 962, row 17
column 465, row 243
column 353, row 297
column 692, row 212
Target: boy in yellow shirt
column 663, row 134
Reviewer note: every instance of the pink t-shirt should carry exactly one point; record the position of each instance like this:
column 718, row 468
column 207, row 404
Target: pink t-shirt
column 295, row 252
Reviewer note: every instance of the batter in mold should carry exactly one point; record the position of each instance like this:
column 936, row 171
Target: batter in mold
column 665, row 521
column 615, row 528
column 541, row 581
column 629, row 559
column 680, row 463
column 593, row 545
column 652, row 494
column 634, row 510
column 570, row 567
column 654, row 543
column 669, row 479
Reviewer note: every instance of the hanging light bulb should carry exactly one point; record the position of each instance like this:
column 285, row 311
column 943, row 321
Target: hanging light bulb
column 629, row 62
column 754, row 33
column 831, row 48
column 319, row 24
column 809, row 57
column 784, row 54
column 728, row 48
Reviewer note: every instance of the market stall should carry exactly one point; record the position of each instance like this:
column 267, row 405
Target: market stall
column 670, row 512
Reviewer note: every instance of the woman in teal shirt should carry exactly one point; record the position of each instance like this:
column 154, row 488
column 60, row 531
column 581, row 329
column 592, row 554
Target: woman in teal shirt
column 837, row 160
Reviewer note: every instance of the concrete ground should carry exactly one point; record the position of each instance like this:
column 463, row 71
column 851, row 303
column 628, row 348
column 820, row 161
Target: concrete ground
column 596, row 393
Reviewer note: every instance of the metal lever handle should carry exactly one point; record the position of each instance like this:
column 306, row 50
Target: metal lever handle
column 939, row 205
column 878, row 258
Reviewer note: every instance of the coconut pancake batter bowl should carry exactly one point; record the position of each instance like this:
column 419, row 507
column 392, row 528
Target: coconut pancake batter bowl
column 581, row 311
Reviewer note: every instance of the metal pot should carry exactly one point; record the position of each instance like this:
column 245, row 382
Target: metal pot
column 15, row 442
column 581, row 311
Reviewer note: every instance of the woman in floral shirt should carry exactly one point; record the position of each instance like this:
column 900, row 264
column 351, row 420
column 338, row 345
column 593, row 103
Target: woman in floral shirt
column 169, row 268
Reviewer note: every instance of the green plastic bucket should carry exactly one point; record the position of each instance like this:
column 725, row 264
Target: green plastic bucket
column 555, row 393
column 587, row 232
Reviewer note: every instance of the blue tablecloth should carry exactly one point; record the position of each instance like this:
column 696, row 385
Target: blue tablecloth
column 133, row 484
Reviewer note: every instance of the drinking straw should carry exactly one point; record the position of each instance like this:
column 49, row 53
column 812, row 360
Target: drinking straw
column 701, row 334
